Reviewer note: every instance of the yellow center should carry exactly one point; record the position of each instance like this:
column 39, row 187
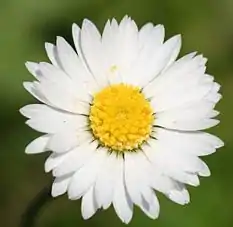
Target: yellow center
column 120, row 117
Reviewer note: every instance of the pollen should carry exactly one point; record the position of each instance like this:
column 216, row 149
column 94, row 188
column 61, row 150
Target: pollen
column 113, row 68
column 121, row 118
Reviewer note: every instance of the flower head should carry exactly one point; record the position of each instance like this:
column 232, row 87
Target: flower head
column 122, row 117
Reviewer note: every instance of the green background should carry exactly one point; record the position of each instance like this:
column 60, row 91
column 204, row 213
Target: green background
column 205, row 25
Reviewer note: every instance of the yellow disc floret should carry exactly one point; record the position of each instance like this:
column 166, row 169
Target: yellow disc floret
column 121, row 117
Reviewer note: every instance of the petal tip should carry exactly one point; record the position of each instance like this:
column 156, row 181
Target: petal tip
column 75, row 26
column 220, row 144
column 22, row 111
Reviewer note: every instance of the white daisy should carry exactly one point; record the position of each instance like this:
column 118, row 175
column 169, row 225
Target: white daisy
column 122, row 117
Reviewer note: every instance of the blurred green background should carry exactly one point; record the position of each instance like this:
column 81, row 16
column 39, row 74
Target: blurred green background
column 205, row 25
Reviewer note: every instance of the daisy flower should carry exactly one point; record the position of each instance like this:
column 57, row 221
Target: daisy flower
column 122, row 117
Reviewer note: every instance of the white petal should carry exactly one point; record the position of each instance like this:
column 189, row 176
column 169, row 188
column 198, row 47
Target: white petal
column 121, row 201
column 69, row 58
column 38, row 145
column 191, row 179
column 188, row 69
column 63, row 141
column 136, row 179
column 194, row 143
column 179, row 196
column 213, row 95
column 112, row 51
column 213, row 140
column 164, row 56
column 191, row 116
column 175, row 51
column 151, row 209
column 53, row 74
column 60, row 185
column 54, row 160
column 127, row 41
column 33, row 68
column 76, row 159
column 71, row 62
column 175, row 97
column 56, row 76
column 150, row 41
column 150, row 36
column 67, row 101
column 76, row 32
column 169, row 164
column 31, row 88
column 204, row 171
column 131, row 181
column 92, row 51
column 89, row 206
column 35, row 110
column 172, row 189
column 193, row 125
column 121, row 47
column 49, row 120
column 105, row 181
column 75, row 66
column 180, row 94
column 52, row 54
column 85, row 177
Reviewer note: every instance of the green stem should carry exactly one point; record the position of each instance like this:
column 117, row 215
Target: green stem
column 28, row 218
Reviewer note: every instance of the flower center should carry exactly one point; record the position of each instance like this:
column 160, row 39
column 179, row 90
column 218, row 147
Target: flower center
column 120, row 117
